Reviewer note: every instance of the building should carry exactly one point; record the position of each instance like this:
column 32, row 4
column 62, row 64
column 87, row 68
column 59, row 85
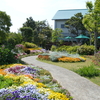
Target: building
column 62, row 16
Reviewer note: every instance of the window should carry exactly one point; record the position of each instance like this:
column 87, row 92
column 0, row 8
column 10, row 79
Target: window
column 62, row 25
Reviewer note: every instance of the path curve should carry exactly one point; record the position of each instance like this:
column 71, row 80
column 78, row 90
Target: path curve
column 79, row 87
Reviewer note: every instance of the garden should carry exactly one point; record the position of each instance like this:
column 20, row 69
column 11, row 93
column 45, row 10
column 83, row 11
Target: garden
column 21, row 81
column 80, row 59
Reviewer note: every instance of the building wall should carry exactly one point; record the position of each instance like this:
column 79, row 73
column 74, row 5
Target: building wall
column 61, row 24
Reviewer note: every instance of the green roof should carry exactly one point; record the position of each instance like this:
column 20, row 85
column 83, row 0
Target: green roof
column 67, row 14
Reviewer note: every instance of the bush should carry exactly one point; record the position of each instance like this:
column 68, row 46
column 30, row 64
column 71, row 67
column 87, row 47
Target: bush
column 30, row 45
column 89, row 71
column 6, row 56
column 53, row 48
column 62, row 48
column 85, row 50
column 72, row 49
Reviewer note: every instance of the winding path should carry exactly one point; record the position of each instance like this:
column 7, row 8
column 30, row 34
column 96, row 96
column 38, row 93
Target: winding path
column 79, row 87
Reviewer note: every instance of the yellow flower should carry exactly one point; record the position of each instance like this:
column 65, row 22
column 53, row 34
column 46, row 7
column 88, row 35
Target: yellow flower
column 39, row 85
column 10, row 76
column 82, row 58
column 57, row 96
column 13, row 65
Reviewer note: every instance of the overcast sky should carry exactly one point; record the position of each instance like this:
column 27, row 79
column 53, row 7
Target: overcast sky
column 40, row 10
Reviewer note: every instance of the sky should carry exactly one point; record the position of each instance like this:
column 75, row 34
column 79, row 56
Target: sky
column 39, row 10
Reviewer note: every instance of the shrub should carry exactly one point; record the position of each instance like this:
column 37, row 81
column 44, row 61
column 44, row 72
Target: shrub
column 62, row 48
column 53, row 48
column 72, row 49
column 89, row 71
column 30, row 45
column 85, row 50
column 6, row 56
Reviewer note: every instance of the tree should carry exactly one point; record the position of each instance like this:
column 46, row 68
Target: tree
column 42, row 33
column 27, row 34
column 75, row 24
column 30, row 23
column 5, row 24
column 38, row 32
column 92, row 20
column 56, row 35
column 13, row 39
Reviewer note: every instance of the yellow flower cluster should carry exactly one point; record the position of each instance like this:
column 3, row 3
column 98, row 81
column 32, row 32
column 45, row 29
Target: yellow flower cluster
column 83, row 59
column 69, row 59
column 53, row 95
column 57, row 96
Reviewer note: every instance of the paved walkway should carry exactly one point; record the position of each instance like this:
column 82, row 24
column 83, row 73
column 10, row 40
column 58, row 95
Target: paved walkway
column 79, row 87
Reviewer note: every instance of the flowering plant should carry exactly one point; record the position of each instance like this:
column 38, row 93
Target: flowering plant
column 25, row 84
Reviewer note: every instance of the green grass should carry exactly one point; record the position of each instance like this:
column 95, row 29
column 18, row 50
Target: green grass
column 75, row 66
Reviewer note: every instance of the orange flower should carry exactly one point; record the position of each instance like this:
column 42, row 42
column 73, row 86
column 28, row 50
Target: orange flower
column 44, row 57
column 29, row 76
column 2, row 72
column 36, row 79
column 68, row 59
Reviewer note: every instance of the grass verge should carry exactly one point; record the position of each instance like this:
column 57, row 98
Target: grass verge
column 75, row 66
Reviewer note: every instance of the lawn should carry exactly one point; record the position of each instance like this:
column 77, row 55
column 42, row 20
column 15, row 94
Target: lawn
column 76, row 65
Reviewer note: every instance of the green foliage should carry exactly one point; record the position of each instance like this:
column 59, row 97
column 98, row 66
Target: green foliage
column 30, row 45
column 69, row 49
column 53, row 48
column 13, row 39
column 6, row 56
column 85, row 50
column 75, row 24
column 56, row 34
column 27, row 34
column 6, row 82
column 72, row 49
column 92, row 19
column 89, row 71
column 30, row 23
column 38, row 32
column 62, row 48
column 5, row 23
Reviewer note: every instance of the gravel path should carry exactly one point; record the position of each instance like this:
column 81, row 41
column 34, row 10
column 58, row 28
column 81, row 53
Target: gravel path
column 79, row 87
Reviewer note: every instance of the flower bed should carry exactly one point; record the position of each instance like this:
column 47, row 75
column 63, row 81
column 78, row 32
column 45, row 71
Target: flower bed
column 27, row 82
column 69, row 59
column 61, row 56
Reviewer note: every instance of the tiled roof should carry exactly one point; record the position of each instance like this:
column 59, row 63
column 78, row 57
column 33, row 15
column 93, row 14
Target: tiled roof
column 66, row 14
